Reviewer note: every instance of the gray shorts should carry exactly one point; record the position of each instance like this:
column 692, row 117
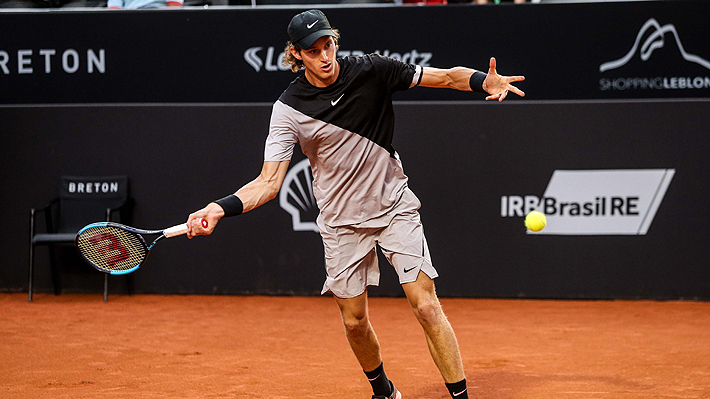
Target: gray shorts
column 350, row 255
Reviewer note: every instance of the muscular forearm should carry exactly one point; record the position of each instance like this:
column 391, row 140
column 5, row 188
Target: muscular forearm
column 258, row 192
column 453, row 78
column 265, row 187
column 459, row 78
column 254, row 194
column 467, row 79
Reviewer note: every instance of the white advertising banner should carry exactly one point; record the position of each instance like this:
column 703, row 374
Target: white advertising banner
column 603, row 202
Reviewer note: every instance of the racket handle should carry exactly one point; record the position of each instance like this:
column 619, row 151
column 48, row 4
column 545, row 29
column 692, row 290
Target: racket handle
column 181, row 229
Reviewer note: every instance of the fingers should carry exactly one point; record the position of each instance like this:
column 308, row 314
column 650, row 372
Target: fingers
column 501, row 85
column 504, row 87
column 195, row 227
column 512, row 88
column 500, row 96
column 517, row 91
column 191, row 229
column 493, row 97
column 504, row 93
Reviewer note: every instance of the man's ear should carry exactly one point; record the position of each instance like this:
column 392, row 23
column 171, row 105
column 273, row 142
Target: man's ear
column 296, row 54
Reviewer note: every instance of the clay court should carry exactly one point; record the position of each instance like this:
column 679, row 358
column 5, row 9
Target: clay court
column 145, row 346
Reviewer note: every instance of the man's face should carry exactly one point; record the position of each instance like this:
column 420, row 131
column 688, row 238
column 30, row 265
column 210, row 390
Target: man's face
column 319, row 61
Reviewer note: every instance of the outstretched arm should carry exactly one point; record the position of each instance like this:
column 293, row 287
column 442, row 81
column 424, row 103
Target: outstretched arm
column 495, row 85
column 254, row 194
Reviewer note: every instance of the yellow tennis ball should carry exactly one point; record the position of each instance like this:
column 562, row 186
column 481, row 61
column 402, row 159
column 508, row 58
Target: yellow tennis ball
column 535, row 221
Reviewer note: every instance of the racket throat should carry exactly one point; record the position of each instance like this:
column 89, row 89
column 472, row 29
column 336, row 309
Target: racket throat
column 154, row 242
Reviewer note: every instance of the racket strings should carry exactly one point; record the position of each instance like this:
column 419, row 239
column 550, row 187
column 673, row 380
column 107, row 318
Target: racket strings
column 111, row 249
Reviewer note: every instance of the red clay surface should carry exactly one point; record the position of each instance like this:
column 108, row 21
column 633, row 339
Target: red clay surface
column 144, row 346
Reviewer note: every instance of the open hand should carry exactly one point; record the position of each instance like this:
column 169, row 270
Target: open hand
column 498, row 86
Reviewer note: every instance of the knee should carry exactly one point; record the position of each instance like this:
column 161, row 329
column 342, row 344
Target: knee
column 356, row 325
column 428, row 312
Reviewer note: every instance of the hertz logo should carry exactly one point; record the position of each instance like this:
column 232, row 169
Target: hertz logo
column 273, row 59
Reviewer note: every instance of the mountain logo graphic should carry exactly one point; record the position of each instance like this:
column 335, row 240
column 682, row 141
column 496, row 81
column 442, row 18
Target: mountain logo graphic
column 654, row 41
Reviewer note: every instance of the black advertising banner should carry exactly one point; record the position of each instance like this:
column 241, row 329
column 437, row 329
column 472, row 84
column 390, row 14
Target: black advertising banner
column 624, row 185
column 655, row 49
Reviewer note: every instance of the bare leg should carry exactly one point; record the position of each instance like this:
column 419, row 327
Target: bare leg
column 440, row 335
column 358, row 329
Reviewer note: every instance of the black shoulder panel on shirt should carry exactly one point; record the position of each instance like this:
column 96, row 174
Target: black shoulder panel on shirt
column 359, row 101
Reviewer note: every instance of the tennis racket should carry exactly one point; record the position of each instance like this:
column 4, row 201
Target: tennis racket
column 118, row 249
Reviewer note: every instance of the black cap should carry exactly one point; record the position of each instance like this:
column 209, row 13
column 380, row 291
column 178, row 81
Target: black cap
column 307, row 27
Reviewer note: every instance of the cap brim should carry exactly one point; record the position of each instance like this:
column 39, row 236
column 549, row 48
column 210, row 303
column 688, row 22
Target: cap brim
column 308, row 41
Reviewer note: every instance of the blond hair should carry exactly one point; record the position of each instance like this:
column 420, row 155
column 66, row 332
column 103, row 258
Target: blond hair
column 294, row 62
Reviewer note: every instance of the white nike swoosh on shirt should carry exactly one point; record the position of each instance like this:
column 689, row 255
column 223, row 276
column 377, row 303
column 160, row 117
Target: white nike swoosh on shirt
column 309, row 26
column 457, row 394
column 333, row 102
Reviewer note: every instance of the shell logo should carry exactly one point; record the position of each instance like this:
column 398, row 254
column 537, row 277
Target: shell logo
column 296, row 197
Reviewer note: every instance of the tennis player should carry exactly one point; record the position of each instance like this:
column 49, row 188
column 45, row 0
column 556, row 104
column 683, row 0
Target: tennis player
column 340, row 112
